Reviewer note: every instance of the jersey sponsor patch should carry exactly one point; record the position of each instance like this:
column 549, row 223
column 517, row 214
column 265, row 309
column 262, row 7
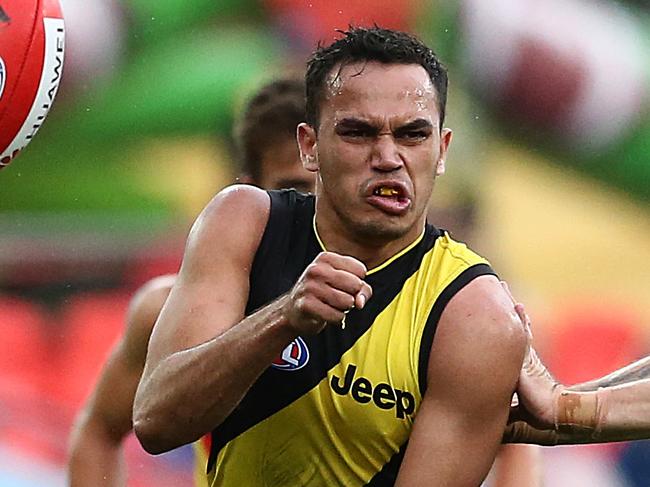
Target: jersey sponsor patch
column 295, row 356
column 382, row 395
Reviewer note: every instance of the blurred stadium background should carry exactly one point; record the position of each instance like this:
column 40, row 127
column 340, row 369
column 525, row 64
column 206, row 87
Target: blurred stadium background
column 550, row 167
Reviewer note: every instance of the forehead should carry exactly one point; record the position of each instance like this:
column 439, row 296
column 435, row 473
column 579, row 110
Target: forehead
column 376, row 90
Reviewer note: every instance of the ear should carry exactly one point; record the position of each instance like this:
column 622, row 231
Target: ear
column 445, row 140
column 308, row 145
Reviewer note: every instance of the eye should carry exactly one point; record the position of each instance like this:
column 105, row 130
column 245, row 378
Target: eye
column 414, row 135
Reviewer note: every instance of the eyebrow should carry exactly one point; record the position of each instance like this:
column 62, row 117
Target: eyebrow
column 357, row 123
column 417, row 124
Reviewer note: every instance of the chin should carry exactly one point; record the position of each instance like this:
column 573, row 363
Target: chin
column 382, row 230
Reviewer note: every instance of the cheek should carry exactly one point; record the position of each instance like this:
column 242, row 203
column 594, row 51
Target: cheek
column 341, row 161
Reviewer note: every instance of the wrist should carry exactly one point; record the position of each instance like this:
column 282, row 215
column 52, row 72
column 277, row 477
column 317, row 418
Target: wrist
column 584, row 412
column 285, row 322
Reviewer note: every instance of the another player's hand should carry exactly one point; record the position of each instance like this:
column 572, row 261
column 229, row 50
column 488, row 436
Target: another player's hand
column 329, row 287
column 522, row 432
column 537, row 389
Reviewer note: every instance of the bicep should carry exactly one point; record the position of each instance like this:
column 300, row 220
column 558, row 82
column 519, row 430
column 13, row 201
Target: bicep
column 472, row 372
column 211, row 290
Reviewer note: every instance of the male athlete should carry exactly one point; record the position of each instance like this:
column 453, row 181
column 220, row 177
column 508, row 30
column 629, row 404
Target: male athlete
column 300, row 329
column 266, row 145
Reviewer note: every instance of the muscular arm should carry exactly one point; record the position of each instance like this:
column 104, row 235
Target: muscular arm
column 204, row 355
column 475, row 359
column 101, row 426
column 185, row 389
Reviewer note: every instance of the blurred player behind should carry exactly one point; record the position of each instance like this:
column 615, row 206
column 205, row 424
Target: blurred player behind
column 266, row 145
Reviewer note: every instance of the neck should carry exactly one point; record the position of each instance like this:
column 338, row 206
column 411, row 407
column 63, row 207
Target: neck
column 336, row 236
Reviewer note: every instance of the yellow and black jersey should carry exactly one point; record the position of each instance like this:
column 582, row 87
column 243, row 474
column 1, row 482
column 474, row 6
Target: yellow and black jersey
column 337, row 408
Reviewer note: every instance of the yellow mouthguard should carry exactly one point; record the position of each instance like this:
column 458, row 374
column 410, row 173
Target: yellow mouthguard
column 388, row 192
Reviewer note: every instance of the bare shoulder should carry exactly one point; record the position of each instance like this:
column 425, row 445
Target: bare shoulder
column 239, row 205
column 232, row 223
column 483, row 310
column 211, row 289
column 479, row 329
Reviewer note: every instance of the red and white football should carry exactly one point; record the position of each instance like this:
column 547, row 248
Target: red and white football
column 31, row 62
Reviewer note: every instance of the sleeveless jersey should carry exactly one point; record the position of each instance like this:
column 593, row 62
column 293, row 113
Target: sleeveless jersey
column 337, row 408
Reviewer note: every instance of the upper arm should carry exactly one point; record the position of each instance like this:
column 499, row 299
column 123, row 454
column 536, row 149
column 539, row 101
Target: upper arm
column 110, row 406
column 472, row 372
column 211, row 290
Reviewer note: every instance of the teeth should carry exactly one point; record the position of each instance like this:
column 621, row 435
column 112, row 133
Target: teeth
column 384, row 191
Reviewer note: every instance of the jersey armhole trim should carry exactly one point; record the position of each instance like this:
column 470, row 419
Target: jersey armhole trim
column 430, row 326
column 266, row 242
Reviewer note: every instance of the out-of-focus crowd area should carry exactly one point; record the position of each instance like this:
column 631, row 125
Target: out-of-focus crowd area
column 548, row 177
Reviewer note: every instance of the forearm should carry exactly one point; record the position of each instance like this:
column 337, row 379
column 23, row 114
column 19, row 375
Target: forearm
column 192, row 391
column 619, row 413
column 638, row 370
column 95, row 458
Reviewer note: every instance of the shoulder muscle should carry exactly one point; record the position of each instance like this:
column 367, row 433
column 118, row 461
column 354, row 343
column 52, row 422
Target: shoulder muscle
column 479, row 331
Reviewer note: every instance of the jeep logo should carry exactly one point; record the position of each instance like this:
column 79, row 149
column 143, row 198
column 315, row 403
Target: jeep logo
column 383, row 394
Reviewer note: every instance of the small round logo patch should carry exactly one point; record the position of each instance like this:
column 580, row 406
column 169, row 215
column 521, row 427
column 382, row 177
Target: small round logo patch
column 295, row 356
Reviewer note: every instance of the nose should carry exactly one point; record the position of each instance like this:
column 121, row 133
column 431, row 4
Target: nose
column 385, row 154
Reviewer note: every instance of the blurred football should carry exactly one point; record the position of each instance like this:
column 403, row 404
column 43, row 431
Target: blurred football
column 31, row 62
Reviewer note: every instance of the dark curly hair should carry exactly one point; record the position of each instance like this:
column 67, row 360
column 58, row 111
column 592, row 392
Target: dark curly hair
column 371, row 44
column 270, row 116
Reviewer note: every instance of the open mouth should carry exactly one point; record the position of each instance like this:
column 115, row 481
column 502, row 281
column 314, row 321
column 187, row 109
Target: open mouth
column 390, row 198
column 386, row 191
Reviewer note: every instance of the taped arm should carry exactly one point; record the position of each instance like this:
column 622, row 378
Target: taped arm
column 562, row 416
column 475, row 359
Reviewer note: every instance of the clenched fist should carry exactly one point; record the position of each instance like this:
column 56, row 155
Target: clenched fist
column 328, row 288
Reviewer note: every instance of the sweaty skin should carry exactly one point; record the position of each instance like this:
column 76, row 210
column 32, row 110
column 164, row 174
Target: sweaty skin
column 96, row 457
column 95, row 453
column 204, row 354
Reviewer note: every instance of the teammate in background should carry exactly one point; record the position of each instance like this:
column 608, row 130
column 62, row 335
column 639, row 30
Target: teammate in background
column 300, row 329
column 265, row 139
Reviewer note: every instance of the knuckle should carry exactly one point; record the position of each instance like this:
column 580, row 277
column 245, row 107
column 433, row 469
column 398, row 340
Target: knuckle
column 300, row 304
column 334, row 316
column 324, row 256
column 314, row 271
